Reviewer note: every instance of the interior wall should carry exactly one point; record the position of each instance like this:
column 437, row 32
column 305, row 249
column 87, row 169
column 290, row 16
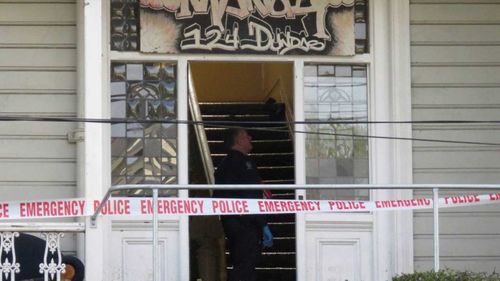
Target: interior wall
column 228, row 82
column 242, row 81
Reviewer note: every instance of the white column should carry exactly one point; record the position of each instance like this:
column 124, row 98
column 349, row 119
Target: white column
column 96, row 148
column 381, row 152
column 391, row 159
column 401, row 89
column 80, row 146
column 300, row 168
column 182, row 161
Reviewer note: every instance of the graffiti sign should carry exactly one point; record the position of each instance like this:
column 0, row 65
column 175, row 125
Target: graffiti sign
column 280, row 27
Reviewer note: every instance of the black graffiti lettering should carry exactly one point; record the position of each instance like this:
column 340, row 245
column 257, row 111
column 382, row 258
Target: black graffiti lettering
column 280, row 42
column 287, row 10
column 260, row 7
column 261, row 38
column 301, row 43
column 266, row 8
column 213, row 38
column 230, row 39
column 183, row 8
column 213, row 35
column 199, row 6
column 241, row 12
column 193, row 40
column 262, row 35
column 218, row 9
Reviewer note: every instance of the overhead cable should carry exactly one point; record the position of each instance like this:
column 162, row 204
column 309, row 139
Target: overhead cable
column 175, row 121
column 231, row 124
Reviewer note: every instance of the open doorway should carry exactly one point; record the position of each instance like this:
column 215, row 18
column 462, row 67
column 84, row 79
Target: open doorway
column 248, row 94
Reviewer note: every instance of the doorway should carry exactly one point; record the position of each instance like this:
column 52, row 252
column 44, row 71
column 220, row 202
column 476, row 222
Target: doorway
column 259, row 97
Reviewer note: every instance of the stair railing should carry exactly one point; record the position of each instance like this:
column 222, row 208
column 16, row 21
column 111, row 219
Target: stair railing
column 199, row 128
column 289, row 116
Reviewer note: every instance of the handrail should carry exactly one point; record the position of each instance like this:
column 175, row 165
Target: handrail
column 270, row 91
column 288, row 106
column 117, row 188
column 435, row 215
column 290, row 117
column 156, row 187
column 42, row 227
column 199, row 129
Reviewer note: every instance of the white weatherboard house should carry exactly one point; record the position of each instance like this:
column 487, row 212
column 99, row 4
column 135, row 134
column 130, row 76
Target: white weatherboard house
column 328, row 60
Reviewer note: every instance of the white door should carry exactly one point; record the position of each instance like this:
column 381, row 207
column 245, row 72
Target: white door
column 143, row 153
column 333, row 246
column 374, row 86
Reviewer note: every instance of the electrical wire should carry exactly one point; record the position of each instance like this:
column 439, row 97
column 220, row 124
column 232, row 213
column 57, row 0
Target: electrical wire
column 235, row 124
column 367, row 136
column 189, row 122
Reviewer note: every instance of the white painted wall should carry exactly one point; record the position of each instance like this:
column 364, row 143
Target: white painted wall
column 37, row 78
column 455, row 55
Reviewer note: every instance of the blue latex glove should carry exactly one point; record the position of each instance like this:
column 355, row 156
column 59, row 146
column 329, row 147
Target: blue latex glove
column 268, row 237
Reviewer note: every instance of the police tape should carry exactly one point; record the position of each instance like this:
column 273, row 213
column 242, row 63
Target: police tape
column 126, row 206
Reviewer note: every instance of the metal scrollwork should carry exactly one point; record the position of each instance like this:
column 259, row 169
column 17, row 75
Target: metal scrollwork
column 7, row 249
column 51, row 268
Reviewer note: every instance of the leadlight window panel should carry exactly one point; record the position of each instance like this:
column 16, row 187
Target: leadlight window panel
column 125, row 26
column 336, row 153
column 361, row 35
column 144, row 149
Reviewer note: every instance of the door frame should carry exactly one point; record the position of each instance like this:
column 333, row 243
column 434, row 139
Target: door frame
column 389, row 67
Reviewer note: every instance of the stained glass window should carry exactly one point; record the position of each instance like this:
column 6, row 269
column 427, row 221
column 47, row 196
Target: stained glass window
column 336, row 153
column 143, row 149
column 361, row 26
column 124, row 25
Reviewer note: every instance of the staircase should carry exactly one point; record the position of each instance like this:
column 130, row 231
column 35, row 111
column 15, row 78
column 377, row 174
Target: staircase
column 274, row 154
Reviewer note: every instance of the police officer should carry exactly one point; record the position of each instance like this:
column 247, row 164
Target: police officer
column 246, row 234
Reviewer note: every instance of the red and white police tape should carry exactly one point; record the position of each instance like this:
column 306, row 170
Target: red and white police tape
column 125, row 206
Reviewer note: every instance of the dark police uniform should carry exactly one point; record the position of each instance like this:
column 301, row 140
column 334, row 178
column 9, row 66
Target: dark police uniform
column 244, row 233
